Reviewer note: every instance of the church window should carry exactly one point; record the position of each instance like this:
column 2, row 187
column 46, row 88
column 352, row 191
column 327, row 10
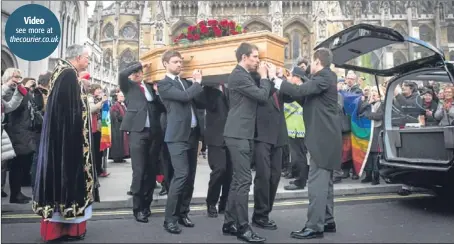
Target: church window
column 426, row 33
column 109, row 31
column 296, row 45
column 450, row 34
column 399, row 58
column 129, row 31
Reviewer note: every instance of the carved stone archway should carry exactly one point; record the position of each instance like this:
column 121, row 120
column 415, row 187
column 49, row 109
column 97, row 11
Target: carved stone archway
column 256, row 24
column 179, row 26
column 299, row 37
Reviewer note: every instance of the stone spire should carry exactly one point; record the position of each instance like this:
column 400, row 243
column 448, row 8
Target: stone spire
column 275, row 10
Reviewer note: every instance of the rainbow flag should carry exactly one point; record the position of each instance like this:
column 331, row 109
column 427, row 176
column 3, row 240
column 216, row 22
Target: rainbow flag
column 105, row 126
column 361, row 131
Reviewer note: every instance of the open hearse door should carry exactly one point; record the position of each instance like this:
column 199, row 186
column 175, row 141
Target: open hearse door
column 412, row 153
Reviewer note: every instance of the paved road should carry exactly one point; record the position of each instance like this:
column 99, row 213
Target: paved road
column 363, row 219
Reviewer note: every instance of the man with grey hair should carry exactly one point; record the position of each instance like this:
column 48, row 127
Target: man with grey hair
column 352, row 83
column 66, row 184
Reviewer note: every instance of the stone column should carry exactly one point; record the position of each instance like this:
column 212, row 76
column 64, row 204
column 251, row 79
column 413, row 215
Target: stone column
column 116, row 32
column 160, row 22
column 319, row 10
column 437, row 25
column 275, row 10
column 410, row 13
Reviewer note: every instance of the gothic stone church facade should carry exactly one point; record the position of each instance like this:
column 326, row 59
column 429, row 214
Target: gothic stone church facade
column 128, row 29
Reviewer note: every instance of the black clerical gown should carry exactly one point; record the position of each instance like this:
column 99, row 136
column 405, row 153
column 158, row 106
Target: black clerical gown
column 65, row 179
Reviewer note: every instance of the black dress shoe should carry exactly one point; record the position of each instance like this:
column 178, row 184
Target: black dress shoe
column 330, row 227
column 163, row 192
column 212, row 211
column 141, row 217
column 355, row 177
column 250, row 236
column 229, row 229
column 293, row 187
column 4, row 194
column 185, row 221
column 264, row 224
column 172, row 227
column 306, row 233
column 147, row 212
column 129, row 193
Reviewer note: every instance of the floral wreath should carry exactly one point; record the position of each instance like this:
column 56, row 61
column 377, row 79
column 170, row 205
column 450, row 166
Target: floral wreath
column 209, row 29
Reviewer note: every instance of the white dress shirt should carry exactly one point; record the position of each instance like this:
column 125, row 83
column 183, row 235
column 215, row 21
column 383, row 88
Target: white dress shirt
column 149, row 99
column 277, row 83
column 193, row 118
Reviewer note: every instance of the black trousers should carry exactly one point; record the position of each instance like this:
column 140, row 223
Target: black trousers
column 268, row 167
column 298, row 152
column 18, row 168
column 166, row 166
column 97, row 154
column 286, row 165
column 240, row 151
column 184, row 161
column 220, row 176
column 144, row 148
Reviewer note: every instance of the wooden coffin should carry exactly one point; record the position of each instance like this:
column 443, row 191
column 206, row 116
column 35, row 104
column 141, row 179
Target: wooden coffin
column 216, row 57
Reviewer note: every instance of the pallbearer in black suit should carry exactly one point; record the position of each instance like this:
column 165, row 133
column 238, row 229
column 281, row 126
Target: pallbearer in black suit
column 239, row 133
column 182, row 137
column 145, row 136
column 216, row 104
column 323, row 141
column 270, row 138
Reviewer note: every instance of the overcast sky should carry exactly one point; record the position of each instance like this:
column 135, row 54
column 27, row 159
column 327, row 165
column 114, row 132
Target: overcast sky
column 91, row 6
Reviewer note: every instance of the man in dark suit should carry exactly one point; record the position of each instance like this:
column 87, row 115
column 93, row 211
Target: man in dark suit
column 270, row 138
column 239, row 133
column 145, row 139
column 182, row 137
column 323, row 141
column 217, row 108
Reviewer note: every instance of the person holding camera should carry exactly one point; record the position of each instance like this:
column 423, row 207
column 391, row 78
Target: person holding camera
column 20, row 127
column 10, row 86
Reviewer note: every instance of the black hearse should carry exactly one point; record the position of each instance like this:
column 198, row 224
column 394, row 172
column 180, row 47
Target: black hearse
column 421, row 156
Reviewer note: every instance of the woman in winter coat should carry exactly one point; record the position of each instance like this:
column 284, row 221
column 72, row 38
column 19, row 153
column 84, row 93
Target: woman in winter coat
column 445, row 110
column 10, row 80
column 430, row 105
column 373, row 110
column 19, row 127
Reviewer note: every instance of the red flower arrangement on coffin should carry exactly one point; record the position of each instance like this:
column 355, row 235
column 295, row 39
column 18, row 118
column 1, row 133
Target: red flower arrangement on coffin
column 208, row 30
